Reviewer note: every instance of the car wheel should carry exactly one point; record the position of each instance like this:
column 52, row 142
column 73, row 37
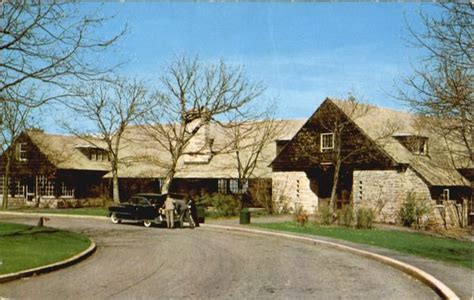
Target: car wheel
column 147, row 223
column 114, row 219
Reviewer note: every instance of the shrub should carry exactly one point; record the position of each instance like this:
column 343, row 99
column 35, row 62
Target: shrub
column 412, row 211
column 345, row 216
column 224, row 205
column 364, row 218
column 324, row 214
column 282, row 205
column 261, row 193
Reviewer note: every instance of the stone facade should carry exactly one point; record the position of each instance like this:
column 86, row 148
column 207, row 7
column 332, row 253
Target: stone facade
column 291, row 191
column 386, row 190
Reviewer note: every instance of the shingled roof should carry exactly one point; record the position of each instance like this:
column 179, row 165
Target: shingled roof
column 63, row 151
column 433, row 168
column 141, row 157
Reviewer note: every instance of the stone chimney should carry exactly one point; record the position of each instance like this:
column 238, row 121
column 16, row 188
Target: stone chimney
column 199, row 149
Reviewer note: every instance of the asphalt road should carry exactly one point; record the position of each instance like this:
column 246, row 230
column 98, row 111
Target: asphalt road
column 143, row 263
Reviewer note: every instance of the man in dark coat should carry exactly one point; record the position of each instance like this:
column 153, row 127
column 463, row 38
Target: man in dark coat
column 181, row 208
column 193, row 211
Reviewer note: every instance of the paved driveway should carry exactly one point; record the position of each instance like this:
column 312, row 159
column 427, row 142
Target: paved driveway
column 136, row 262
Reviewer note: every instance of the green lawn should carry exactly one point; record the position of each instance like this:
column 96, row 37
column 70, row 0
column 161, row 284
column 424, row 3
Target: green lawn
column 24, row 247
column 444, row 249
column 86, row 211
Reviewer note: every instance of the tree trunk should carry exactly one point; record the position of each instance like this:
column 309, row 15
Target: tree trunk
column 337, row 168
column 115, row 185
column 6, row 188
column 332, row 202
column 167, row 182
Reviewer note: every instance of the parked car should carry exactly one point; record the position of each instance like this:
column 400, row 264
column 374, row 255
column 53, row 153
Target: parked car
column 141, row 208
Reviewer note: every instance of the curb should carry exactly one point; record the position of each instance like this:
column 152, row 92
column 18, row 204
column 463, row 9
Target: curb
column 439, row 287
column 11, row 213
column 51, row 267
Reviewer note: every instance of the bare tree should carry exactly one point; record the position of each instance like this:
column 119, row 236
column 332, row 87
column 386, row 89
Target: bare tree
column 341, row 143
column 195, row 95
column 13, row 121
column 110, row 107
column 45, row 47
column 249, row 137
column 441, row 88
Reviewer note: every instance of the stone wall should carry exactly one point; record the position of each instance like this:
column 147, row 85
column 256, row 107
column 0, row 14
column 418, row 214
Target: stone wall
column 291, row 190
column 70, row 202
column 47, row 202
column 385, row 190
column 16, row 202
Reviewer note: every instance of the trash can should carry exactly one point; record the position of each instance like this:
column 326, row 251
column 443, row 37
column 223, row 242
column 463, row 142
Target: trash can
column 245, row 216
column 201, row 214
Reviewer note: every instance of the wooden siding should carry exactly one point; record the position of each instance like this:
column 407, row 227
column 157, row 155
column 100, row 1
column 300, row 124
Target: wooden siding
column 303, row 152
column 36, row 162
column 86, row 184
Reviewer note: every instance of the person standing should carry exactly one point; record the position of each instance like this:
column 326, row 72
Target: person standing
column 193, row 209
column 169, row 212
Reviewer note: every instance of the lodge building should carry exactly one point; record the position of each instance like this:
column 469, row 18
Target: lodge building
column 384, row 157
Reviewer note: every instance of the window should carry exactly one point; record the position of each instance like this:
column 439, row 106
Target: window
column 443, row 197
column 92, row 154
column 19, row 189
column 360, row 194
column 46, row 186
column 16, row 187
column 445, row 194
column 298, row 188
column 4, row 188
column 21, row 153
column 96, row 154
column 421, row 147
column 327, row 141
column 222, row 186
column 234, row 186
column 417, row 144
column 66, row 190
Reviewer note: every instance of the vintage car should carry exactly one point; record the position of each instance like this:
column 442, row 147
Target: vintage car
column 140, row 208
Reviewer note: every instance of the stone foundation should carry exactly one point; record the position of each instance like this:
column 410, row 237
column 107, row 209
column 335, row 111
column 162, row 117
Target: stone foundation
column 16, row 202
column 291, row 191
column 56, row 202
column 70, row 203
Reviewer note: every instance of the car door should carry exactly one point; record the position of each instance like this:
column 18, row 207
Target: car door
column 128, row 210
column 146, row 211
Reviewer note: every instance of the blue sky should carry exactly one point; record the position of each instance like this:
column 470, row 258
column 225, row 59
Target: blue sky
column 303, row 52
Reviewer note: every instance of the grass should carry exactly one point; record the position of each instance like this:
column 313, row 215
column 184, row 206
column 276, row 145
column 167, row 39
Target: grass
column 86, row 211
column 437, row 248
column 210, row 214
column 24, row 247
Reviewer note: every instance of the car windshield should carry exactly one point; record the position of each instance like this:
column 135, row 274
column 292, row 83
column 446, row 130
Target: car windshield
column 158, row 200
column 139, row 201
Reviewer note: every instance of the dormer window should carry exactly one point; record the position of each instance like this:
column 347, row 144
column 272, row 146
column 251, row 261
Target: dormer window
column 416, row 144
column 421, row 147
column 94, row 153
column 327, row 142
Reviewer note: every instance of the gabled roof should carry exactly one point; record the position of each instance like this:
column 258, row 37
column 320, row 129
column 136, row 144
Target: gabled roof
column 434, row 168
column 376, row 122
column 141, row 157
column 63, row 153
